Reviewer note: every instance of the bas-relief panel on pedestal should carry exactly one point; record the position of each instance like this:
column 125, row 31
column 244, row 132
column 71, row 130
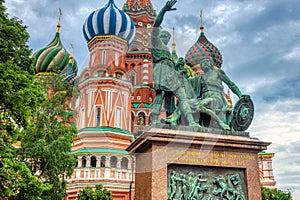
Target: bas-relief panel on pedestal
column 206, row 183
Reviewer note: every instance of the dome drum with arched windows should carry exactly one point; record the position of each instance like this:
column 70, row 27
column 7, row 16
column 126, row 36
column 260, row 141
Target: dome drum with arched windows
column 109, row 20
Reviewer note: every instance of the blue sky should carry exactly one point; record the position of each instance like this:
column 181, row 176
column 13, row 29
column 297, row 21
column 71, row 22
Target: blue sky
column 259, row 41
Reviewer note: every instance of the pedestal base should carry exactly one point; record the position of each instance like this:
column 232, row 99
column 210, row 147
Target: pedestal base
column 174, row 164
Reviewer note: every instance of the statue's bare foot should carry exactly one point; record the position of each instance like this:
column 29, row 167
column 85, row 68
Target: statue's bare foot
column 154, row 119
column 196, row 125
column 225, row 126
column 168, row 121
column 155, row 122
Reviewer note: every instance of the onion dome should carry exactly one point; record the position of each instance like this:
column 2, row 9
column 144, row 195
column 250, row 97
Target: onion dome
column 109, row 20
column 201, row 49
column 54, row 56
column 68, row 75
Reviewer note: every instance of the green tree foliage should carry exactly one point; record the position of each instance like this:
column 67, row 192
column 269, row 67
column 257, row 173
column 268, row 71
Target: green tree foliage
column 275, row 194
column 19, row 98
column 13, row 40
column 46, row 144
column 99, row 193
column 20, row 94
column 16, row 180
column 38, row 168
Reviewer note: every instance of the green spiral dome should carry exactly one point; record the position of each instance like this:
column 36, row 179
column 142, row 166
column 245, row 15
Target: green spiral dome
column 53, row 58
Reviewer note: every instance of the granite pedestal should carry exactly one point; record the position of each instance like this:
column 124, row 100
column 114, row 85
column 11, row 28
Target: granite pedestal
column 160, row 152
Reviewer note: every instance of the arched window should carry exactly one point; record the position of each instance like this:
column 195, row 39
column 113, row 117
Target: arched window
column 124, row 163
column 103, row 57
column 102, row 163
column 98, row 117
column 93, row 161
column 132, row 78
column 113, row 162
column 82, row 117
column 83, row 161
column 100, row 73
column 119, row 75
column 132, row 122
column 117, row 59
column 141, row 119
column 118, row 119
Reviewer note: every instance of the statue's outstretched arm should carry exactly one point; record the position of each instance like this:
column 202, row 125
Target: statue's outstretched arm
column 233, row 87
column 159, row 18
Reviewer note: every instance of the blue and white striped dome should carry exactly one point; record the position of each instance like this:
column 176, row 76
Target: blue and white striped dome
column 109, row 20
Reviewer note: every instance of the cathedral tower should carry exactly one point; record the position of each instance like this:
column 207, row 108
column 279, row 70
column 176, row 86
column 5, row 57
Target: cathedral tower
column 103, row 109
column 138, row 60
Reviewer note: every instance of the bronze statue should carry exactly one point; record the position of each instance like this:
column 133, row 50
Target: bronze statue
column 212, row 101
column 166, row 78
column 199, row 96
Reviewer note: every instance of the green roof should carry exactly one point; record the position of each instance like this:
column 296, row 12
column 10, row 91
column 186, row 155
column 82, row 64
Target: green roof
column 136, row 105
column 116, row 131
column 264, row 153
column 104, row 128
column 147, row 105
column 100, row 151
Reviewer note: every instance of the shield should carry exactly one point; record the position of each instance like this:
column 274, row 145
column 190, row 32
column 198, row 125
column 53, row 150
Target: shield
column 242, row 114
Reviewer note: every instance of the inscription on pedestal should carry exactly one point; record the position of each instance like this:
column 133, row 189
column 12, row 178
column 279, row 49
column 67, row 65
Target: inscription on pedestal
column 206, row 158
column 206, row 183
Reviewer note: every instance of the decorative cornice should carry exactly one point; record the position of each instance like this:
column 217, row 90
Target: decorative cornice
column 114, row 151
column 188, row 137
column 106, row 37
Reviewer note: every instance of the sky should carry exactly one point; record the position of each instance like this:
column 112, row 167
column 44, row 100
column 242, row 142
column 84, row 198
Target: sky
column 259, row 41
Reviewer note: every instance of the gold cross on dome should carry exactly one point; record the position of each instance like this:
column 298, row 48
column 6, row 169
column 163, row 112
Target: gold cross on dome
column 201, row 17
column 60, row 14
column 71, row 48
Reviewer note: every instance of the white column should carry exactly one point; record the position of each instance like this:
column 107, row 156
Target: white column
column 98, row 161
column 119, row 159
column 107, row 167
column 77, row 176
column 79, row 158
column 88, row 161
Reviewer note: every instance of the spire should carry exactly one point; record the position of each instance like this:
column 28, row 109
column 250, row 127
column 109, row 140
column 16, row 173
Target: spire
column 174, row 54
column 201, row 23
column 173, row 42
column 71, row 53
column 58, row 24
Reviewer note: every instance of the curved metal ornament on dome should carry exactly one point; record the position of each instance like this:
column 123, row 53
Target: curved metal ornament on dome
column 242, row 114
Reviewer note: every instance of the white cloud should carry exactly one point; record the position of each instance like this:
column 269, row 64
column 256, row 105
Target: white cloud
column 294, row 54
column 279, row 123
